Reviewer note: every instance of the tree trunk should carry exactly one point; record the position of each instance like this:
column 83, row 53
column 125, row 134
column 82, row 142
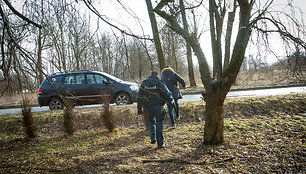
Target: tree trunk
column 188, row 47
column 15, row 66
column 228, row 35
column 39, row 59
column 159, row 50
column 214, row 115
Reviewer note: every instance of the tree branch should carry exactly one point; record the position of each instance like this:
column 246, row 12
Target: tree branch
column 173, row 24
column 20, row 15
column 95, row 11
column 283, row 32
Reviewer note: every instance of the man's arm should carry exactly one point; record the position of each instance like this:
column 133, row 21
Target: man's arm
column 180, row 80
column 139, row 100
column 167, row 95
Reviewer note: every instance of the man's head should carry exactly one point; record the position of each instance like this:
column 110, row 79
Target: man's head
column 154, row 73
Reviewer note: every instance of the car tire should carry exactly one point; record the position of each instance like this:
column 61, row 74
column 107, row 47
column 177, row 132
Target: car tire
column 122, row 99
column 56, row 104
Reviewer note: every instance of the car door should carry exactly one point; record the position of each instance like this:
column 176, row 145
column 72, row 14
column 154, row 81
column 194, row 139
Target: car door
column 75, row 87
column 98, row 85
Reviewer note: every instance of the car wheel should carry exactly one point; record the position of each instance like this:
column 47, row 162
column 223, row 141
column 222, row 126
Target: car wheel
column 122, row 99
column 56, row 104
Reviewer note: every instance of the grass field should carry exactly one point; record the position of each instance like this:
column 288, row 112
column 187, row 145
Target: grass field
column 262, row 135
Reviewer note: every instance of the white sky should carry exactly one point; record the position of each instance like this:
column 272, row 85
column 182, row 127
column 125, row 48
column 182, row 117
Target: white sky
column 126, row 21
column 113, row 10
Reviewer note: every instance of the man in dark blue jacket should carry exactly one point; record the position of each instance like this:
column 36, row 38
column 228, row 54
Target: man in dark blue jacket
column 153, row 94
column 171, row 78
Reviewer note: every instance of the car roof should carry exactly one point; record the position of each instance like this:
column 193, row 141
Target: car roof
column 70, row 72
column 86, row 71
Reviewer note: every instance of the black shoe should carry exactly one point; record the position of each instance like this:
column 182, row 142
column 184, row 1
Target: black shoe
column 162, row 146
column 153, row 141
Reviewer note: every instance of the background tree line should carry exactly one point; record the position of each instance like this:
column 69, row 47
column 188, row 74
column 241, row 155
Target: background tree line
column 68, row 42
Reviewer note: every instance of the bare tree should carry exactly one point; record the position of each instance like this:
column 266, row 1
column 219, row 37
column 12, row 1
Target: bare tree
column 13, row 25
column 173, row 45
column 219, row 83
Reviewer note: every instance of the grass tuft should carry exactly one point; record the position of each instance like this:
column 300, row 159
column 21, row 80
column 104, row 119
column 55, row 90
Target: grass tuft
column 107, row 114
column 28, row 120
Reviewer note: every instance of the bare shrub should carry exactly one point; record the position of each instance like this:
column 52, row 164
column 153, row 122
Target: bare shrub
column 107, row 114
column 28, row 120
column 68, row 118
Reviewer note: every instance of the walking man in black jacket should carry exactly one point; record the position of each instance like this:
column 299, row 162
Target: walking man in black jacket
column 153, row 94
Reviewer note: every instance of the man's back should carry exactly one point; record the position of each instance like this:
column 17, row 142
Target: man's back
column 151, row 89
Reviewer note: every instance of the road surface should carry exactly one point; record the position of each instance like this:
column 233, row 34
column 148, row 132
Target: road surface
column 194, row 97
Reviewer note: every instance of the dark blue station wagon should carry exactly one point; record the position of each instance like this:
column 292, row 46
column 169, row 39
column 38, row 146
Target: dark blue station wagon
column 83, row 88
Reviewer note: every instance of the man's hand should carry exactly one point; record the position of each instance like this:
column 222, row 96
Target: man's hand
column 174, row 106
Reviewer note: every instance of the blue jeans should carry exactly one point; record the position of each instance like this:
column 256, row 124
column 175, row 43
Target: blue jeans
column 155, row 122
column 170, row 111
column 156, row 131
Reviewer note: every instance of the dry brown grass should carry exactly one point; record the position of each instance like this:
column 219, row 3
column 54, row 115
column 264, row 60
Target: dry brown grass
column 262, row 135
column 17, row 99
column 28, row 120
column 69, row 120
column 107, row 114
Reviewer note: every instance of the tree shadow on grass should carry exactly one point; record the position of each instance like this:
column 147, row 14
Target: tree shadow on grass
column 119, row 151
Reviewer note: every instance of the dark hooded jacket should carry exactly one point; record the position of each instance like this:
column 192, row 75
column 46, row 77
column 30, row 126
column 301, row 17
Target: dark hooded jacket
column 170, row 77
column 153, row 94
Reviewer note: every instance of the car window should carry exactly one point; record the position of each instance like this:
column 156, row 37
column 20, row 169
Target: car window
column 74, row 79
column 56, row 79
column 113, row 78
column 95, row 79
column 80, row 79
column 91, row 79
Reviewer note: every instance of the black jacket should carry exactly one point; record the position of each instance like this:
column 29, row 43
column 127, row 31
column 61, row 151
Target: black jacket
column 153, row 94
column 171, row 78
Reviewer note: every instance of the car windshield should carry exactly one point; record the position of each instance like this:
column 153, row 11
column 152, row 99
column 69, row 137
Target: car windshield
column 112, row 77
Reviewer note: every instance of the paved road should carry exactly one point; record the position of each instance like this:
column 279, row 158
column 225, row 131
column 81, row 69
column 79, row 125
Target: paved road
column 254, row 93
column 194, row 97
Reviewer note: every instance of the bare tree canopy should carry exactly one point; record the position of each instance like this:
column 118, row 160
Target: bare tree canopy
column 20, row 15
column 220, row 81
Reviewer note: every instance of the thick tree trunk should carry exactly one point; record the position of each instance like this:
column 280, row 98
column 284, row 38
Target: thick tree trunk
column 214, row 125
column 214, row 115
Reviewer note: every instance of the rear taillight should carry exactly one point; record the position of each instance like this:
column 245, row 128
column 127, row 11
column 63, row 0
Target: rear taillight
column 40, row 91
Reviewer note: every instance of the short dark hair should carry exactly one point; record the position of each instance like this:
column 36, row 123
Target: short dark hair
column 154, row 73
column 167, row 66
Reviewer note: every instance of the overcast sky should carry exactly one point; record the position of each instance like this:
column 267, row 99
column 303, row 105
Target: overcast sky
column 113, row 10
column 124, row 17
